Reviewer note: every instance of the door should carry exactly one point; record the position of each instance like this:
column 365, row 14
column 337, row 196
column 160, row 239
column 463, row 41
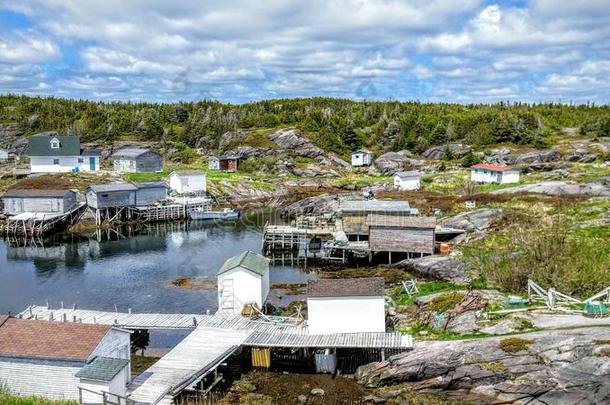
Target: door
column 92, row 164
column 226, row 294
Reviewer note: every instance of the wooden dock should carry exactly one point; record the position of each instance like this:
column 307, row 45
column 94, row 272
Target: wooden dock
column 169, row 212
column 285, row 237
column 38, row 223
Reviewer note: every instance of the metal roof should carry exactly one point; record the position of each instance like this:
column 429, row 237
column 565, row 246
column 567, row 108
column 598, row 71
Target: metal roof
column 346, row 287
column 102, row 369
column 380, row 340
column 90, row 152
column 35, row 193
column 188, row 173
column 130, row 152
column 409, row 174
column 374, row 206
column 399, row 221
column 150, row 184
column 108, row 188
column 247, row 260
column 40, row 145
column 493, row 168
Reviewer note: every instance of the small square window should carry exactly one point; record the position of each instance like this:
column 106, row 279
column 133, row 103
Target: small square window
column 81, row 160
column 55, row 144
column 55, row 161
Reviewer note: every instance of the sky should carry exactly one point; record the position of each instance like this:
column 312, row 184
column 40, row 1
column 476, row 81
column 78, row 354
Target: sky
column 237, row 51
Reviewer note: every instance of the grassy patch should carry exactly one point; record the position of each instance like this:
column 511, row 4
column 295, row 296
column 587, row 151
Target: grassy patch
column 445, row 302
column 429, row 333
column 424, row 289
column 514, row 344
column 391, row 275
column 359, row 180
column 6, row 398
column 139, row 364
column 494, row 366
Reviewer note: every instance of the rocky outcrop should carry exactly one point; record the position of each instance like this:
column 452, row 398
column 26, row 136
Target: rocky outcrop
column 315, row 205
column 560, row 188
column 437, row 152
column 291, row 140
column 232, row 138
column 505, row 157
column 477, row 220
column 392, row 162
column 443, row 268
column 550, row 367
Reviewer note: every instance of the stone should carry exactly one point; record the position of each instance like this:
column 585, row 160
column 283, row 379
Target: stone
column 232, row 138
column 392, row 162
column 559, row 367
column 302, row 399
column 372, row 399
column 314, row 205
column 291, row 139
column 436, row 267
column 437, row 152
column 559, row 188
column 317, row 392
column 480, row 219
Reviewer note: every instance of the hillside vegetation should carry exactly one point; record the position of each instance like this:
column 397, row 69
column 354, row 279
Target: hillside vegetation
column 335, row 125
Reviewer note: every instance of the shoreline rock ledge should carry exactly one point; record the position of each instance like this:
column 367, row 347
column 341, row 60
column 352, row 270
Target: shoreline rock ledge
column 548, row 367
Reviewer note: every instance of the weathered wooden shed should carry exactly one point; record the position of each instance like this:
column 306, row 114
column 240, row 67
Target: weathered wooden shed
column 354, row 214
column 224, row 163
column 408, row 234
column 137, row 160
column 46, row 358
column 114, row 195
column 17, row 201
column 150, row 192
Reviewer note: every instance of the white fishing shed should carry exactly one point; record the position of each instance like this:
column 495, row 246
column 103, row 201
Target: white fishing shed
column 345, row 305
column 243, row 279
column 362, row 158
column 407, row 181
column 187, row 182
column 498, row 174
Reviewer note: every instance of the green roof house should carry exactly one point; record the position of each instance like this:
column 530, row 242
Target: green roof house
column 243, row 280
column 52, row 153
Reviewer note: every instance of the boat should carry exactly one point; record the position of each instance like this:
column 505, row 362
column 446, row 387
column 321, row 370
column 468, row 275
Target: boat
column 225, row 215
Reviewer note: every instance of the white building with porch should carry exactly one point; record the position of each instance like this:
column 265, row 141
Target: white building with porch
column 60, row 154
column 243, row 280
column 498, row 174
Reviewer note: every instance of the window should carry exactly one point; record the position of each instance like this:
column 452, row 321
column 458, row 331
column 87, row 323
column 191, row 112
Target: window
column 55, row 161
column 54, row 144
column 81, row 160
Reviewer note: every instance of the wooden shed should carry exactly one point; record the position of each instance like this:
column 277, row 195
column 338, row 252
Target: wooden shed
column 136, row 160
column 243, row 279
column 408, row 234
column 59, row 360
column 224, row 163
column 188, row 182
column 114, row 195
column 354, row 214
column 150, row 192
column 17, row 201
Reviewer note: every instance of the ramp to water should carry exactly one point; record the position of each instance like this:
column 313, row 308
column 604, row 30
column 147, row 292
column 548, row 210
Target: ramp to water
column 198, row 354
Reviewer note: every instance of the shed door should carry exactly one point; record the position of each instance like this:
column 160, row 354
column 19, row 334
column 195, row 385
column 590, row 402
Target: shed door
column 92, row 164
column 226, row 294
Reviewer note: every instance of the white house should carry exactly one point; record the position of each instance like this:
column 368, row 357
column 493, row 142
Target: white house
column 345, row 305
column 52, row 153
column 488, row 173
column 362, row 158
column 243, row 279
column 56, row 360
column 188, row 182
column 3, row 155
column 406, row 181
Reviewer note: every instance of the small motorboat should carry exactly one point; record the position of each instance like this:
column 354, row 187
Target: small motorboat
column 226, row 214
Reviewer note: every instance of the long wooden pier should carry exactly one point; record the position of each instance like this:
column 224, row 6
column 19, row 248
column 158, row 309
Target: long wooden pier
column 214, row 338
column 37, row 223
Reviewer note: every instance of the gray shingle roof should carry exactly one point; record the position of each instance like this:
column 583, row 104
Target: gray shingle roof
column 102, row 369
column 374, row 206
column 400, row 221
column 150, row 184
column 346, row 287
column 40, row 145
column 130, row 152
column 247, row 260
column 105, row 188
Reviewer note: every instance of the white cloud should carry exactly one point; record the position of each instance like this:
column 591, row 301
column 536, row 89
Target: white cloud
column 27, row 48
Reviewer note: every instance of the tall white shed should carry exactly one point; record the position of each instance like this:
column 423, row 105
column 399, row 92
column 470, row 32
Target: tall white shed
column 407, row 181
column 345, row 305
column 498, row 174
column 188, row 182
column 243, row 279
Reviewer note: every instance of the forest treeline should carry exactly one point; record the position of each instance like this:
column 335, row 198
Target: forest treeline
column 334, row 124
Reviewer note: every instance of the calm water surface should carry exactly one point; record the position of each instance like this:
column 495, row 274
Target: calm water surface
column 134, row 270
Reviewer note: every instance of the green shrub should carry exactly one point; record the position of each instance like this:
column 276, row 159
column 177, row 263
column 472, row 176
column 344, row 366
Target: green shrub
column 445, row 302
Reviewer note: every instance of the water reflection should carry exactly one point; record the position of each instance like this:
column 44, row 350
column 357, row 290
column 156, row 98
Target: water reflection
column 131, row 267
